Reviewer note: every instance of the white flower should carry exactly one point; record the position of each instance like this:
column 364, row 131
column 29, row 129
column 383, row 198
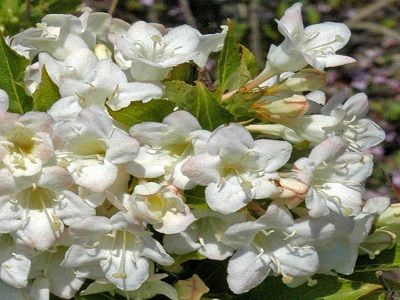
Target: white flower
column 85, row 80
column 92, row 149
column 37, row 208
column 161, row 207
column 119, row 245
column 237, row 169
column 265, row 245
column 165, row 147
column 59, row 35
column 151, row 51
column 334, row 175
column 49, row 276
column 9, row 292
column 204, row 236
column 25, row 142
column 357, row 132
column 339, row 251
column 315, row 45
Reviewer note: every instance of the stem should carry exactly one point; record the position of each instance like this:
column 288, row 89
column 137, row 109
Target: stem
column 113, row 6
column 254, row 24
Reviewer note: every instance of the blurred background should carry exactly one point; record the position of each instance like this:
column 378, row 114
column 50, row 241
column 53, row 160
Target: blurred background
column 375, row 44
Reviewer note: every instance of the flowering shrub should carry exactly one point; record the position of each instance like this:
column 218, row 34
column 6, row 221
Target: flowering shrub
column 117, row 168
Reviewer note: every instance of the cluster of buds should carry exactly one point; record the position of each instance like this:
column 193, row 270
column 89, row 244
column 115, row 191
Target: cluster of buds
column 83, row 196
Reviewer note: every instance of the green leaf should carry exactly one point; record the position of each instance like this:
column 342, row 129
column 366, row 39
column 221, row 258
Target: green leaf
column 249, row 60
column 138, row 112
column 387, row 260
column 12, row 66
column 180, row 259
column 229, row 60
column 200, row 102
column 327, row 288
column 46, row 94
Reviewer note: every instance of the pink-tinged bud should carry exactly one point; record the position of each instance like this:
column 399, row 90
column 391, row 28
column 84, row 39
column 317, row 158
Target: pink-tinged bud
column 291, row 107
column 191, row 289
column 293, row 191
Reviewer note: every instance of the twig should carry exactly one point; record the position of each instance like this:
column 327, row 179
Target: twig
column 113, row 6
column 254, row 24
column 187, row 13
column 375, row 28
column 254, row 207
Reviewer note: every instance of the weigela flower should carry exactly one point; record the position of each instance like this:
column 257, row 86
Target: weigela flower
column 49, row 276
column 265, row 245
column 204, row 235
column 121, row 247
column 165, row 147
column 91, row 148
column 334, row 175
column 37, row 208
column 358, row 133
column 59, row 35
column 25, row 142
column 161, row 207
column 237, row 169
column 152, row 50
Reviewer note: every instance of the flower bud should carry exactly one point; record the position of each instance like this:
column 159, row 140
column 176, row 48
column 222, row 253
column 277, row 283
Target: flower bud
column 191, row 289
column 291, row 107
column 306, row 80
column 293, row 191
column 276, row 131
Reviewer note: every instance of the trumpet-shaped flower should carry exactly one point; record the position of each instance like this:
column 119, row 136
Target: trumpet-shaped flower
column 165, row 147
column 25, row 142
column 36, row 209
column 49, row 276
column 151, row 50
column 121, row 247
column 358, row 133
column 237, row 169
column 204, row 235
column 334, row 175
column 92, row 149
column 159, row 206
column 84, row 80
column 59, row 35
column 265, row 245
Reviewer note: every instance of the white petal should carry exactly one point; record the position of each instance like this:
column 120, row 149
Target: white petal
column 121, row 148
column 40, row 289
column 227, row 197
column 241, row 235
column 202, row 168
column 3, row 101
column 273, row 154
column 246, row 270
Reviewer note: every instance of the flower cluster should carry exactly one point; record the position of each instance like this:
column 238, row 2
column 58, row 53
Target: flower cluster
column 84, row 196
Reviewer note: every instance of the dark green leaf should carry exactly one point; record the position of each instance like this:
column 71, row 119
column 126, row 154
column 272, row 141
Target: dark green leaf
column 207, row 109
column 46, row 94
column 229, row 60
column 200, row 102
column 138, row 112
column 12, row 66
column 327, row 288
